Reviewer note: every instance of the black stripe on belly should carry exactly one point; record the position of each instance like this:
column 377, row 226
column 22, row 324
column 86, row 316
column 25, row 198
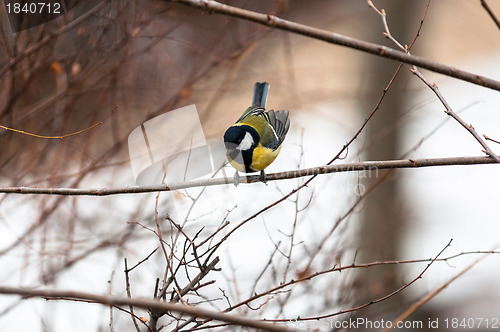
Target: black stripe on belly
column 247, row 159
column 243, row 158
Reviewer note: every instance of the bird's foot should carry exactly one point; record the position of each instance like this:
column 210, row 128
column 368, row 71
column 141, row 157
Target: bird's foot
column 236, row 179
column 263, row 177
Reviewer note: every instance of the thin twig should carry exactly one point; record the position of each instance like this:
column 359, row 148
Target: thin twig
column 129, row 295
column 60, row 136
column 434, row 87
column 490, row 12
column 110, row 281
column 420, row 26
column 387, row 32
column 353, row 265
column 141, row 261
column 490, row 139
column 432, row 294
column 449, row 111
column 139, row 319
column 204, row 271
column 406, row 285
column 35, row 47
column 266, row 266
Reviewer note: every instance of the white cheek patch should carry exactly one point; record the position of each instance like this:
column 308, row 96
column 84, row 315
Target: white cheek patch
column 246, row 142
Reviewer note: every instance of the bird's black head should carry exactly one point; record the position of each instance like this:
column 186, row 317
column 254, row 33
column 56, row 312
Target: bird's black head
column 233, row 137
column 241, row 137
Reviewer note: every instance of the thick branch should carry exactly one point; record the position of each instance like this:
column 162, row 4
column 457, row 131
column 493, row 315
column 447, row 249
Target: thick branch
column 338, row 168
column 145, row 304
column 338, row 39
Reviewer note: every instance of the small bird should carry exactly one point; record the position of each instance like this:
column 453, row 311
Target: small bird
column 254, row 141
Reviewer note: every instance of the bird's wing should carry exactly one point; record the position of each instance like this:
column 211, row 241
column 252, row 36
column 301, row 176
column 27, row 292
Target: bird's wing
column 252, row 110
column 280, row 123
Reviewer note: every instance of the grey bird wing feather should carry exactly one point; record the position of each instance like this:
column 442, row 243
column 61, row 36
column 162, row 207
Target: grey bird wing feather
column 252, row 110
column 280, row 122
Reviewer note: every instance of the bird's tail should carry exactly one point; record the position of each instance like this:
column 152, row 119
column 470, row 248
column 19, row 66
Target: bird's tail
column 260, row 92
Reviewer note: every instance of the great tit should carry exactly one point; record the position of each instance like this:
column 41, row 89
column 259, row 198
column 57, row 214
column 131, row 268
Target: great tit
column 254, row 141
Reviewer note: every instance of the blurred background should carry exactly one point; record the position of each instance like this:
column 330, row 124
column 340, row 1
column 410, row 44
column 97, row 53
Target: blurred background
column 151, row 57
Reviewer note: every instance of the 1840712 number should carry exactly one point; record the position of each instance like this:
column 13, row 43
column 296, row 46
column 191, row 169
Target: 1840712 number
column 471, row 323
column 33, row 8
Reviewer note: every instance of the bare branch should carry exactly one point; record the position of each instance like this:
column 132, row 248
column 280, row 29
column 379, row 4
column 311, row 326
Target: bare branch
column 433, row 293
column 387, row 32
column 61, row 136
column 35, row 47
column 203, row 272
column 338, row 39
column 129, row 295
column 491, row 139
column 490, row 12
column 339, row 168
column 143, row 303
column 454, row 115
column 406, row 285
column 111, row 326
column 353, row 265
column 449, row 111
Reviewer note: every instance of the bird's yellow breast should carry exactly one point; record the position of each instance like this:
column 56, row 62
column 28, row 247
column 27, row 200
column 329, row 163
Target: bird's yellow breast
column 238, row 166
column 263, row 157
